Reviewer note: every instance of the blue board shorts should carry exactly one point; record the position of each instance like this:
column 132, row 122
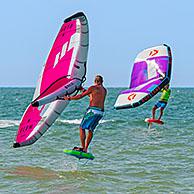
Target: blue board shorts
column 91, row 118
column 161, row 104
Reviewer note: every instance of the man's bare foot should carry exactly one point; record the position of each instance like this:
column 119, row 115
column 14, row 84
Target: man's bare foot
column 78, row 149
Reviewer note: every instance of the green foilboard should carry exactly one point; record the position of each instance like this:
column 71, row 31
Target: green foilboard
column 79, row 154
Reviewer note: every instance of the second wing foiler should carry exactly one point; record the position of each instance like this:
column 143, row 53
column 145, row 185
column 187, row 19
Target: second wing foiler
column 63, row 74
column 151, row 72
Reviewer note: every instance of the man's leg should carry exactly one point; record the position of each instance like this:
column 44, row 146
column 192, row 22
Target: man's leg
column 82, row 137
column 88, row 140
column 161, row 113
column 154, row 111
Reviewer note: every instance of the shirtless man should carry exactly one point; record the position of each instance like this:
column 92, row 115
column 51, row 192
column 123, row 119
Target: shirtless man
column 94, row 113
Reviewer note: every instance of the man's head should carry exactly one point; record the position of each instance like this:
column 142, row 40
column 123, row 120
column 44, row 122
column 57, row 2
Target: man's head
column 166, row 86
column 98, row 80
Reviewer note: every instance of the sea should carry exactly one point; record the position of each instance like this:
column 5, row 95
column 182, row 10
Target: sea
column 130, row 157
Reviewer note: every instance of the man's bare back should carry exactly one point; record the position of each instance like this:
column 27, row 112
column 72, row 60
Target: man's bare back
column 97, row 96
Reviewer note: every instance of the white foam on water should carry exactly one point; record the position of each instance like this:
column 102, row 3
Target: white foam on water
column 73, row 121
column 9, row 123
column 78, row 121
column 107, row 121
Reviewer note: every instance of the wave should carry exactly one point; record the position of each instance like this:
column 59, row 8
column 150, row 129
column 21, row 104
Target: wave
column 9, row 123
column 78, row 121
column 74, row 121
column 12, row 123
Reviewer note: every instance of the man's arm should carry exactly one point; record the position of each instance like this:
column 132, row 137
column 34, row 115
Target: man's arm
column 82, row 89
column 79, row 96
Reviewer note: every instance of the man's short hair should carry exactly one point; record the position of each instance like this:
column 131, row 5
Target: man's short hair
column 98, row 79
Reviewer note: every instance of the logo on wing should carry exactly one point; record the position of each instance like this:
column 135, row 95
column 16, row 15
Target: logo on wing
column 131, row 96
column 153, row 52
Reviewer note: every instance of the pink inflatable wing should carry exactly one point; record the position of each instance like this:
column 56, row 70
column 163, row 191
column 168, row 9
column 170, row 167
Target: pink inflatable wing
column 151, row 72
column 65, row 67
column 63, row 73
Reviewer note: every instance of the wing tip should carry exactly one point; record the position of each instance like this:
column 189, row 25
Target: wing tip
column 74, row 16
column 35, row 104
column 16, row 145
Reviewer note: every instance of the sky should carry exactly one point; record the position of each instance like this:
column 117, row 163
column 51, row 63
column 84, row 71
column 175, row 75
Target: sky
column 118, row 31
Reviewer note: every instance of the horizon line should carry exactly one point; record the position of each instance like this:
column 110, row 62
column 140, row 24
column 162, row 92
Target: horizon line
column 20, row 86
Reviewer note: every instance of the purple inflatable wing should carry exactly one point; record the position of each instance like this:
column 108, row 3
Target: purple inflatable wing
column 151, row 72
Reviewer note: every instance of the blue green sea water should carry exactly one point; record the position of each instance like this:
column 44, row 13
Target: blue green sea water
column 129, row 157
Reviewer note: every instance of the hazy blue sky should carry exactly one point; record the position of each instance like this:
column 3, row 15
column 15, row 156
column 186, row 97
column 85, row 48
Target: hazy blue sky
column 119, row 29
